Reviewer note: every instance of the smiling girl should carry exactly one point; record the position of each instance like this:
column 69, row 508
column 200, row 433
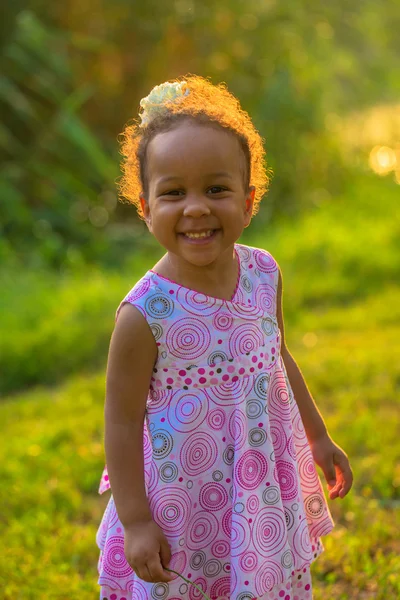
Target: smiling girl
column 211, row 434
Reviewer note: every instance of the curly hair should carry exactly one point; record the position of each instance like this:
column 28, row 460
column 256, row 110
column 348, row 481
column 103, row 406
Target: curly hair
column 207, row 104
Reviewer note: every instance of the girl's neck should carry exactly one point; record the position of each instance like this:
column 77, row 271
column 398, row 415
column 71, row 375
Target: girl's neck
column 217, row 283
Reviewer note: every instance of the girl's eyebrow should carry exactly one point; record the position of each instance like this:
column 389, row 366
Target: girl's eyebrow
column 221, row 174
column 176, row 177
column 168, row 178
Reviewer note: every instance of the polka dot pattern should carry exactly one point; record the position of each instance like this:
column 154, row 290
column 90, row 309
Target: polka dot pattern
column 297, row 587
column 228, row 471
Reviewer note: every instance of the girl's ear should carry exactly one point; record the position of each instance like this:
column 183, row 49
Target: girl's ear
column 249, row 205
column 146, row 210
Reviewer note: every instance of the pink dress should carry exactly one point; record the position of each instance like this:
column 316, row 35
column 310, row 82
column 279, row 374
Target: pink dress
column 229, row 473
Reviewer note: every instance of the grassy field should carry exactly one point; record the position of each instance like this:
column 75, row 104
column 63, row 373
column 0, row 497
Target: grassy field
column 340, row 268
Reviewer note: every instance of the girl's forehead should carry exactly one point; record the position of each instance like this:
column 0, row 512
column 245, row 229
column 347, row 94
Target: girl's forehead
column 191, row 145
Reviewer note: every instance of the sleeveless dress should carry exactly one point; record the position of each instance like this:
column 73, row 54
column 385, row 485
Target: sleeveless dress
column 229, row 473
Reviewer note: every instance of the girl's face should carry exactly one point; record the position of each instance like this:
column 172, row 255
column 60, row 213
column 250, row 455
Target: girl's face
column 195, row 184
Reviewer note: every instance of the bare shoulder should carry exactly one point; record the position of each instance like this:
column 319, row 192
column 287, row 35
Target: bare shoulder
column 131, row 359
column 132, row 328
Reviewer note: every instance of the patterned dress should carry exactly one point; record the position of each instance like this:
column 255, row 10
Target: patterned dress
column 229, row 473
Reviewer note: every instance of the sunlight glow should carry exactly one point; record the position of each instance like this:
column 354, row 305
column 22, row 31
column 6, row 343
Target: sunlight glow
column 382, row 159
column 310, row 339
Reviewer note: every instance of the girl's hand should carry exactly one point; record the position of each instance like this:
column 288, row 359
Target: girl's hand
column 148, row 552
column 335, row 465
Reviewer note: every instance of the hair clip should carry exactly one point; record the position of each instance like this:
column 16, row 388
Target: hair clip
column 154, row 103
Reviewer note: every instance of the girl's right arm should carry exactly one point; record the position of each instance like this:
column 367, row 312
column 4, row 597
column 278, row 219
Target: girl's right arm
column 131, row 359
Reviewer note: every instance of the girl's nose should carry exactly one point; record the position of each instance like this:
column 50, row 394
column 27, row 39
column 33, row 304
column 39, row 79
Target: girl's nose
column 195, row 206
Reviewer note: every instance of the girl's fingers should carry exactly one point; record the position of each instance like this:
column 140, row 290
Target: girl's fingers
column 346, row 475
column 149, row 573
column 344, row 478
column 156, row 572
column 348, row 482
column 142, row 574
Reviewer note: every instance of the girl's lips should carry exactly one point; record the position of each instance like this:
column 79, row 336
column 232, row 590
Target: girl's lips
column 199, row 241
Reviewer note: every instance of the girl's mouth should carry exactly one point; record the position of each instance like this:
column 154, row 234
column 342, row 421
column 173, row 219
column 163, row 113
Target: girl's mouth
column 201, row 240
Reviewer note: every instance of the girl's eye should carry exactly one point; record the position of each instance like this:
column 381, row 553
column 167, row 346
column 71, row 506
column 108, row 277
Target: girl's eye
column 172, row 193
column 217, row 189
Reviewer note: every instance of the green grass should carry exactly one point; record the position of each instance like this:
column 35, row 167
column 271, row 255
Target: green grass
column 54, row 325
column 342, row 309
column 52, row 456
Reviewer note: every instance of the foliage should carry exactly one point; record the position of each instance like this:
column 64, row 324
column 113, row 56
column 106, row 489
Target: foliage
column 54, row 324
column 54, row 168
column 73, row 75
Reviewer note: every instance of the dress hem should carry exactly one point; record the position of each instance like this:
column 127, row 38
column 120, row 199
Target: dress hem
column 108, row 593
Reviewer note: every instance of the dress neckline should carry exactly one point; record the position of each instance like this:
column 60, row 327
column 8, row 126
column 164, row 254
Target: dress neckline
column 206, row 295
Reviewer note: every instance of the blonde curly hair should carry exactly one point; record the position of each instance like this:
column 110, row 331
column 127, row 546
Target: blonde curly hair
column 205, row 103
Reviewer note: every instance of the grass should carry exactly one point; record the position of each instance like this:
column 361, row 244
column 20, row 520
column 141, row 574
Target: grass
column 343, row 330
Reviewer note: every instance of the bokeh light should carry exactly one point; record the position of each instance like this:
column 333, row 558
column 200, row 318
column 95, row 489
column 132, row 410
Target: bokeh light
column 382, row 159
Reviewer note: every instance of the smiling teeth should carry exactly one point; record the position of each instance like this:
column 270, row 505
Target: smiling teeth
column 199, row 235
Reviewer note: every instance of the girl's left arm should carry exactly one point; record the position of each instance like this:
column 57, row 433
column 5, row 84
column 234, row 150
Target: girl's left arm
column 313, row 421
column 328, row 455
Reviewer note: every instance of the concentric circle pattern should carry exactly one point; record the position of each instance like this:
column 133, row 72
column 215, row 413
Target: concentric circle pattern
column 159, row 306
column 115, row 562
column 269, row 531
column 188, row 410
column 162, row 443
column 203, row 530
column 171, row 511
column 251, row 469
column 213, row 496
column 245, row 338
column 198, row 454
column 188, row 338
column 228, row 470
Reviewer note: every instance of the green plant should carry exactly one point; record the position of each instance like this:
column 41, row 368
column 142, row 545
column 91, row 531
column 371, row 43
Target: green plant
column 191, row 583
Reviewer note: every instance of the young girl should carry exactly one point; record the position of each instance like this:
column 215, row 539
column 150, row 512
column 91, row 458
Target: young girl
column 211, row 434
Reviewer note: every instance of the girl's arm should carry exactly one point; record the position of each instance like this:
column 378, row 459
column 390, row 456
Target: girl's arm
column 310, row 415
column 132, row 355
column 312, row 419
column 328, row 455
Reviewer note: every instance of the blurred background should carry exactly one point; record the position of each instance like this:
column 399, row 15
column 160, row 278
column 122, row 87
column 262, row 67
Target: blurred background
column 321, row 83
